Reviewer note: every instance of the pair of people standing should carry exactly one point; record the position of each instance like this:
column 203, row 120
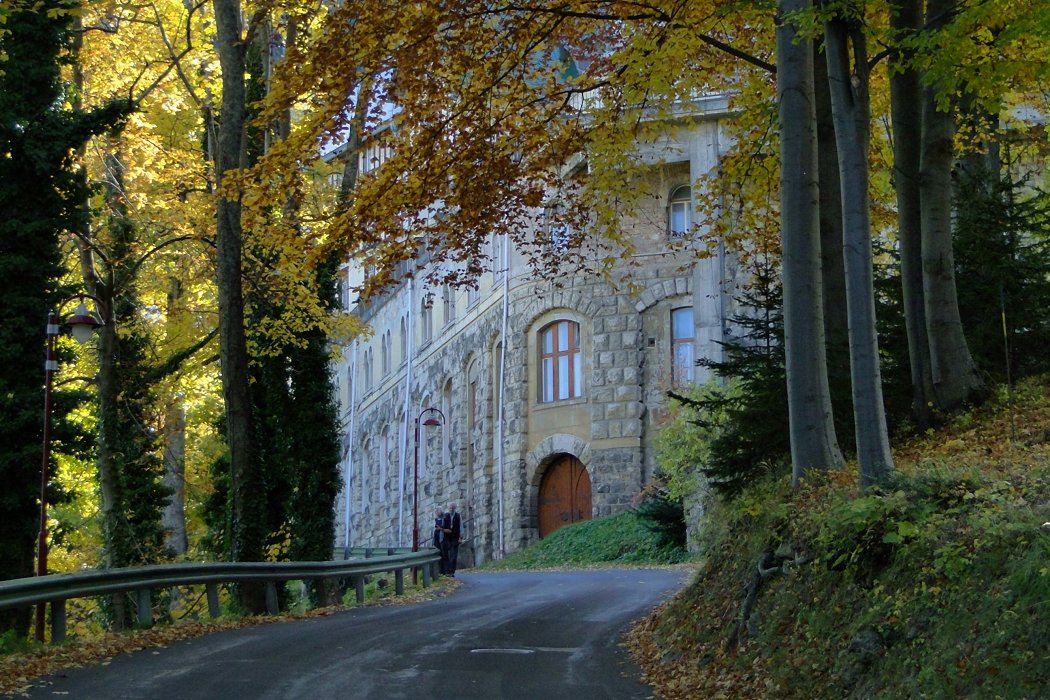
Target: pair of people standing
column 448, row 528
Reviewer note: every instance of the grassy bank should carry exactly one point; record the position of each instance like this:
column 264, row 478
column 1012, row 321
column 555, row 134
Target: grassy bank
column 937, row 585
column 615, row 539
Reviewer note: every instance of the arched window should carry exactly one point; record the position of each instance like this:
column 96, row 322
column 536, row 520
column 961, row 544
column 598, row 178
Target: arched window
column 679, row 212
column 362, row 469
column 384, row 447
column 404, row 340
column 446, row 429
column 423, row 438
column 367, row 369
column 561, row 370
column 384, row 353
column 427, row 316
column 683, row 359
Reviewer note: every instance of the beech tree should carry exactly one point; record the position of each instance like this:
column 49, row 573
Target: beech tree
column 813, row 441
column 132, row 239
column 40, row 194
column 848, row 78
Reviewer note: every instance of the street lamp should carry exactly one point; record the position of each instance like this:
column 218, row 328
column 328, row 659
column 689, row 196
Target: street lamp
column 429, row 422
column 82, row 323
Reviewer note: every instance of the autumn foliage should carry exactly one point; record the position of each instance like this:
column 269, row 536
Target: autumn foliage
column 934, row 585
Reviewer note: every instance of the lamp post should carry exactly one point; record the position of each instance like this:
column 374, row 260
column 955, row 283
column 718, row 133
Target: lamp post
column 82, row 324
column 429, row 422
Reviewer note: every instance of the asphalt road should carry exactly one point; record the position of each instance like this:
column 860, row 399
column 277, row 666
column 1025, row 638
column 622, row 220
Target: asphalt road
column 535, row 635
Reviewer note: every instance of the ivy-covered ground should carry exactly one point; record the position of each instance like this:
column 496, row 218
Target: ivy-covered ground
column 935, row 586
column 617, row 539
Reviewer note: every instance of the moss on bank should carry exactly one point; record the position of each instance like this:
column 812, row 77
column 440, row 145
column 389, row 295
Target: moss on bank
column 935, row 585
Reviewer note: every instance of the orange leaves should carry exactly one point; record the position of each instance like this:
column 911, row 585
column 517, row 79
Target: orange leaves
column 483, row 109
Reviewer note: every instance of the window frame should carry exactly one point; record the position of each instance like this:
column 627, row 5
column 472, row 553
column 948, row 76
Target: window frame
column 427, row 313
column 552, row 386
column 683, row 370
column 448, row 303
column 677, row 201
column 384, row 353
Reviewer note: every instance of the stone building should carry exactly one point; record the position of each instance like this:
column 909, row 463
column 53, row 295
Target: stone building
column 544, row 397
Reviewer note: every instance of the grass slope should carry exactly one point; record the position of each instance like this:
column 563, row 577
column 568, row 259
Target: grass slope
column 936, row 586
column 615, row 539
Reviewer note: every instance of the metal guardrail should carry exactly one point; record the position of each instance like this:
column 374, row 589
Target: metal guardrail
column 56, row 589
column 352, row 552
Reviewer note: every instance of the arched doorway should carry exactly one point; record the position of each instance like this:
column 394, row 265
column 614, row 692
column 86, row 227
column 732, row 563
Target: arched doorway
column 565, row 495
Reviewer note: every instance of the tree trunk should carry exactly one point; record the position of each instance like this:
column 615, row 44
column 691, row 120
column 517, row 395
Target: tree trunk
column 953, row 372
column 905, row 94
column 812, row 429
column 174, row 518
column 248, row 507
column 833, row 273
column 850, row 106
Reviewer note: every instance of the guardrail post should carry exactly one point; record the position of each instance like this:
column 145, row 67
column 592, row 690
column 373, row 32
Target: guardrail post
column 359, row 588
column 271, row 598
column 212, row 589
column 399, row 582
column 426, row 575
column 145, row 607
column 368, row 552
column 58, row 621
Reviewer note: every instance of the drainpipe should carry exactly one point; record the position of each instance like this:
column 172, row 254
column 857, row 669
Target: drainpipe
column 350, row 442
column 403, row 450
column 502, row 394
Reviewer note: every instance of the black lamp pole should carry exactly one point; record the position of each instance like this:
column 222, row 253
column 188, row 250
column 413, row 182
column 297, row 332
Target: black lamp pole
column 431, row 421
column 82, row 323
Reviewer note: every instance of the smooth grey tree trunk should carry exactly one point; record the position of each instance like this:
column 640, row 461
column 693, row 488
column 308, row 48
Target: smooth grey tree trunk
column 850, row 107
column 833, row 272
column 953, row 372
column 812, row 428
column 906, row 120
column 174, row 516
column 248, row 505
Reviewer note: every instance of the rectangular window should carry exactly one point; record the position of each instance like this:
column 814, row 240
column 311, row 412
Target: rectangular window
column 448, row 302
column 683, row 360
column 498, row 244
column 428, row 319
column 558, row 231
column 679, row 219
column 678, row 212
column 560, row 362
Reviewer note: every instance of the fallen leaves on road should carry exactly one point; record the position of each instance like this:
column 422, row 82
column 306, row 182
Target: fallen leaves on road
column 19, row 671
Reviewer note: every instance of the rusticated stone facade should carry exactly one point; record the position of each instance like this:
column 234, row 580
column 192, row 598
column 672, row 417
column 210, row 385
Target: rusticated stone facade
column 457, row 363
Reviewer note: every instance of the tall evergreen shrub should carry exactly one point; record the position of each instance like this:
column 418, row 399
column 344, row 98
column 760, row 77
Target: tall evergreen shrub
column 1002, row 260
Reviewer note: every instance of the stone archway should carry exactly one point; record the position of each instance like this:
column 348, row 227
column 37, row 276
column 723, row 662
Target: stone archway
column 565, row 495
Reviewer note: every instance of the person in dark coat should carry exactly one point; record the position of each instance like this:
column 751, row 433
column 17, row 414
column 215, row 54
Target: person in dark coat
column 439, row 536
column 451, row 529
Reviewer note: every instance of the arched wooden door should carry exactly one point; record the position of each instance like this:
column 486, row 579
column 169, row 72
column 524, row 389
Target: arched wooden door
column 565, row 495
